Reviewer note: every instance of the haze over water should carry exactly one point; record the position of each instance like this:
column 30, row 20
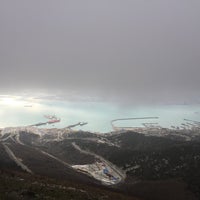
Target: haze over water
column 133, row 56
column 127, row 51
column 20, row 111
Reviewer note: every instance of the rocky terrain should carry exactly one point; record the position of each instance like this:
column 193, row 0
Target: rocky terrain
column 141, row 166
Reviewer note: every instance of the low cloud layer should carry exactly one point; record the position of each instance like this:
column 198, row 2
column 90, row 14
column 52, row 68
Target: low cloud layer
column 117, row 50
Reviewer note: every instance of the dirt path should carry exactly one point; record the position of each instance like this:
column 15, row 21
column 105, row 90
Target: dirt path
column 15, row 159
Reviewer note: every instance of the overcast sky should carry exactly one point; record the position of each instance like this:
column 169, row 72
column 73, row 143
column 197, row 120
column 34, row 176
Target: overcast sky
column 116, row 49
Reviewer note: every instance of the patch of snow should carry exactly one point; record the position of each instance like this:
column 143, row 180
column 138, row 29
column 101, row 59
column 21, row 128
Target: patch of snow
column 132, row 168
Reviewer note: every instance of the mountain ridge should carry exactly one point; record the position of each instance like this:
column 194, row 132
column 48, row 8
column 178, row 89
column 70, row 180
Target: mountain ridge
column 126, row 161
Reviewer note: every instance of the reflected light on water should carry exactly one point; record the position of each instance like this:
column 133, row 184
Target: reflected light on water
column 23, row 111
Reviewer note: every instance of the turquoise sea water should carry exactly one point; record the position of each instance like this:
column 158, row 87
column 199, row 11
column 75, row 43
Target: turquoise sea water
column 15, row 111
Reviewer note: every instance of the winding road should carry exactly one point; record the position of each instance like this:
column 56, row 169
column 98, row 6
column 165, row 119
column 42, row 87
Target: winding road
column 115, row 169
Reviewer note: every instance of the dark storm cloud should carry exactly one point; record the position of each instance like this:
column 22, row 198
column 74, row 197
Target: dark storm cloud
column 130, row 49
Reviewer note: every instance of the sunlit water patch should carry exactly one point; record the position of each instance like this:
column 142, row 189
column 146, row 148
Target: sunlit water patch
column 18, row 111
